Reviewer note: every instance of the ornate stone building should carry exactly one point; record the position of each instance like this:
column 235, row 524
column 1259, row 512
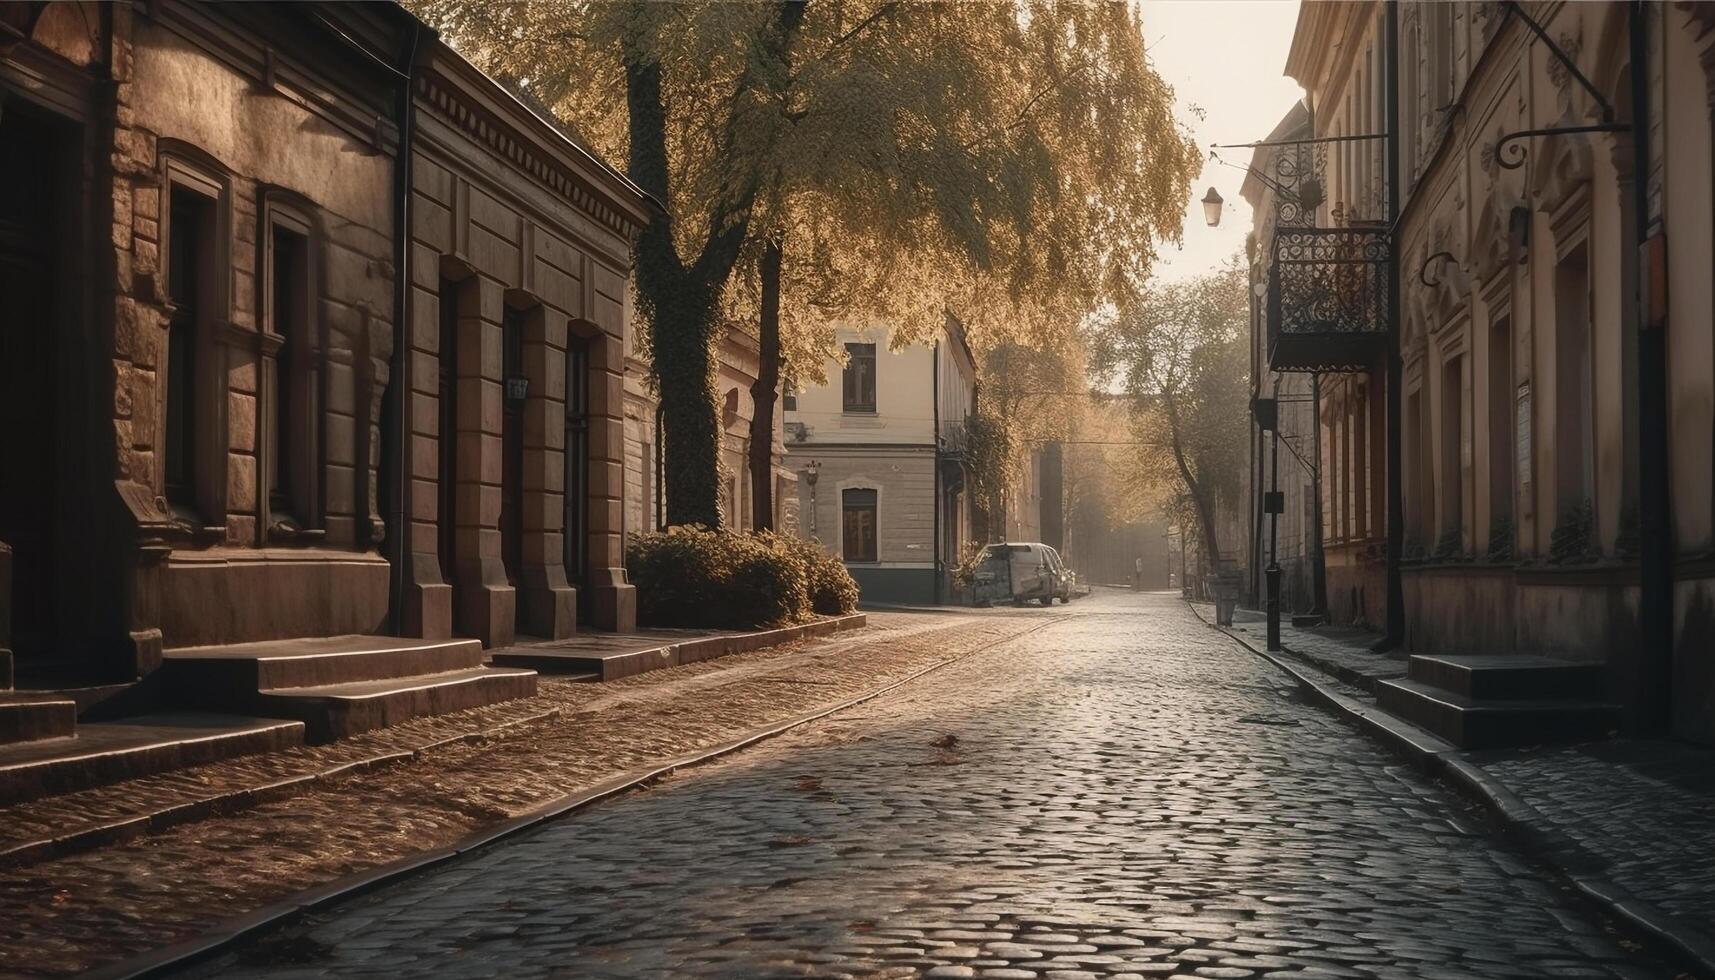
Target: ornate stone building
column 314, row 334
column 1555, row 299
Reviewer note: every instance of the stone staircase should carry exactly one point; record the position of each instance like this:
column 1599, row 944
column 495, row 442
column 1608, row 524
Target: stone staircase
column 342, row 685
column 1490, row 701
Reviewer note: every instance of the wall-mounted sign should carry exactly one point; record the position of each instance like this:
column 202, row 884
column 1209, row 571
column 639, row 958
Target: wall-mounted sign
column 517, row 388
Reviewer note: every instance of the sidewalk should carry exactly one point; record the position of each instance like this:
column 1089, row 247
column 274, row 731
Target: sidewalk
column 1630, row 821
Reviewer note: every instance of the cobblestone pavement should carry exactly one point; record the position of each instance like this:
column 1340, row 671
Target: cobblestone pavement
column 67, row 914
column 1122, row 793
column 1645, row 809
column 1641, row 811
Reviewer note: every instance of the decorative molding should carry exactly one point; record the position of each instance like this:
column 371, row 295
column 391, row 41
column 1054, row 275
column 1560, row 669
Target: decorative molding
column 1558, row 73
column 1564, row 167
column 1700, row 22
column 487, row 129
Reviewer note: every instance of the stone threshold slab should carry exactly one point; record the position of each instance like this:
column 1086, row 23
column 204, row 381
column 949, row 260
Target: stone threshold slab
column 609, row 657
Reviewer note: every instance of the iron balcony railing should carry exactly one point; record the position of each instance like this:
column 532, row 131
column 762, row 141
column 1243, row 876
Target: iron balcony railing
column 1327, row 298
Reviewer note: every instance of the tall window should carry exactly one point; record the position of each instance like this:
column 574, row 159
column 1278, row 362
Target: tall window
column 1572, row 380
column 1452, row 436
column 1412, row 472
column 290, row 414
column 789, row 398
column 1501, row 424
column 858, row 378
column 191, row 226
column 512, row 444
column 857, row 521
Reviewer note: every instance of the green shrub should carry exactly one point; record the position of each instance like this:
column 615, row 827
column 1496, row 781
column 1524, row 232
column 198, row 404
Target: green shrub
column 694, row 577
column 831, row 588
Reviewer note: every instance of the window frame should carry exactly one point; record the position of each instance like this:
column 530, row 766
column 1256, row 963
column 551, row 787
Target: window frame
column 855, row 352
column 859, row 555
column 289, row 487
column 199, row 507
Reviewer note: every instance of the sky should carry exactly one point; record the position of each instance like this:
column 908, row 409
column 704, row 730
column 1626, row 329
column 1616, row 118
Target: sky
column 1225, row 57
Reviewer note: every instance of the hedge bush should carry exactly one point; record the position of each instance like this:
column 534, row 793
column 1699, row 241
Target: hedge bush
column 694, row 577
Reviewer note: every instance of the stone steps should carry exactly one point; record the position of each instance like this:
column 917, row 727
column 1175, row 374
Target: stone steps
column 342, row 685
column 608, row 657
column 32, row 717
column 1508, row 677
column 334, row 711
column 313, row 662
column 108, row 752
column 1481, row 723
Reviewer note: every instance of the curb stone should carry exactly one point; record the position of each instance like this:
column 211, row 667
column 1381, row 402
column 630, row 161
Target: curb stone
column 1435, row 756
column 180, row 955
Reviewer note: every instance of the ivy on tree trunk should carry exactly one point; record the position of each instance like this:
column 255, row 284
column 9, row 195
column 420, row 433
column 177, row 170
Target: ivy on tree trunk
column 682, row 301
column 765, row 390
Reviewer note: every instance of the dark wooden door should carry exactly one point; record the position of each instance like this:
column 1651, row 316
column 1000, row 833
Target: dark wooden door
column 29, row 367
column 512, row 447
column 578, row 469
column 446, row 486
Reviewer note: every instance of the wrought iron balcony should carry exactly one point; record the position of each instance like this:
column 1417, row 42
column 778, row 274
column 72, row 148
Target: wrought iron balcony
column 1327, row 298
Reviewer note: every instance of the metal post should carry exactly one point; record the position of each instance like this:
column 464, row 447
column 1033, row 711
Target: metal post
column 1395, row 637
column 1655, row 578
column 1272, row 573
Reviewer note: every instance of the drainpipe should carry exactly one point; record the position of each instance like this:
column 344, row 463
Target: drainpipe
column 935, row 396
column 1395, row 637
column 1655, row 578
column 1318, row 558
column 660, row 459
column 393, row 401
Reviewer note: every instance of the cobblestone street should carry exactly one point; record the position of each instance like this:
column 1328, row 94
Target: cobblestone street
column 1121, row 793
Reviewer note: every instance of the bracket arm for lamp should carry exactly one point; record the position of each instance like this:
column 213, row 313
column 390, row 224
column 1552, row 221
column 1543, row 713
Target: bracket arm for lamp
column 1509, row 154
column 1423, row 270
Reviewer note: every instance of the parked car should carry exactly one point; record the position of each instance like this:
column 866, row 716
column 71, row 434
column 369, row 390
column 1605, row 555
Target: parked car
column 1020, row 571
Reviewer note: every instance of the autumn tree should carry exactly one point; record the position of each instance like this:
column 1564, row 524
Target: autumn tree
column 1182, row 355
column 830, row 162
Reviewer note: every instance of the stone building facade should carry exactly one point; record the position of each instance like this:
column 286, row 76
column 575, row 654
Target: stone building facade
column 1529, row 273
column 520, row 257
column 317, row 333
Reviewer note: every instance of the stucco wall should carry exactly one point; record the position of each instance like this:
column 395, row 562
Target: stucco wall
column 905, row 506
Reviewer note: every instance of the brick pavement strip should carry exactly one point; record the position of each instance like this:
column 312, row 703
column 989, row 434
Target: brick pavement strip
column 452, row 776
column 1126, row 794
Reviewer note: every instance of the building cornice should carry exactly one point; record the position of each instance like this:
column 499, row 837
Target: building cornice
column 476, row 105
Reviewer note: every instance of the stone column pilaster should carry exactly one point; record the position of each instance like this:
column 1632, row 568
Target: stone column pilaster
column 548, row 603
column 428, row 605
column 613, row 604
column 485, row 605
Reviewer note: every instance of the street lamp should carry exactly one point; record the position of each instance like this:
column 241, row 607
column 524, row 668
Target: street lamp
column 1212, row 207
column 811, row 471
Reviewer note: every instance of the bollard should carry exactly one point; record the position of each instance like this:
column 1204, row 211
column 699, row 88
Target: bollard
column 1272, row 573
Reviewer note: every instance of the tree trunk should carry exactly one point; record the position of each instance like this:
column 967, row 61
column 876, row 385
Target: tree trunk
column 764, row 391
column 1198, row 493
column 682, row 301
